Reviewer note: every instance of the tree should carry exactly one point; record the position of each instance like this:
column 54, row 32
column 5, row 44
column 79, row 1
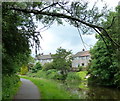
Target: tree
column 17, row 29
column 37, row 67
column 104, row 68
column 62, row 61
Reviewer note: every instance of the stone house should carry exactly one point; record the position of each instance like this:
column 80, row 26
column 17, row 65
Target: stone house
column 79, row 59
column 44, row 58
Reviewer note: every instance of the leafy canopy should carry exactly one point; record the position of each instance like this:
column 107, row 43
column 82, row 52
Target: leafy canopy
column 62, row 61
column 105, row 67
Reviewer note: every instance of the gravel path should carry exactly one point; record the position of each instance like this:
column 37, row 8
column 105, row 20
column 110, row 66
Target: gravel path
column 27, row 91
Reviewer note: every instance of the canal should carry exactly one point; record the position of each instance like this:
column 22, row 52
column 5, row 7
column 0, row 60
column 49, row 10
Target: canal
column 92, row 92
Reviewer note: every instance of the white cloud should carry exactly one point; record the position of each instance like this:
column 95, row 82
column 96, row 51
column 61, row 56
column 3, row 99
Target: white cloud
column 70, row 41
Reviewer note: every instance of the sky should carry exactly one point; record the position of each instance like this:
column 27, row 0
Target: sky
column 67, row 36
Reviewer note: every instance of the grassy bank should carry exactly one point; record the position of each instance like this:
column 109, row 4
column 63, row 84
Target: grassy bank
column 83, row 84
column 50, row 89
column 10, row 86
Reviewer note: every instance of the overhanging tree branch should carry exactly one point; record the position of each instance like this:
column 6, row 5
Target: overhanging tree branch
column 59, row 15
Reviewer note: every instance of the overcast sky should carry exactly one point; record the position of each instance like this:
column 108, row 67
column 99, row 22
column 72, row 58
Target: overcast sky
column 67, row 36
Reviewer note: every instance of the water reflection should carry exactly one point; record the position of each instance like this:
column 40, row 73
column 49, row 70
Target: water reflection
column 103, row 93
column 92, row 92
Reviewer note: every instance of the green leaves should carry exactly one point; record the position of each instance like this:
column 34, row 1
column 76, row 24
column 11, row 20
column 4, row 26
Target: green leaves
column 62, row 61
column 104, row 65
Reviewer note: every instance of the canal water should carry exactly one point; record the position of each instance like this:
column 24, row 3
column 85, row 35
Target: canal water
column 93, row 92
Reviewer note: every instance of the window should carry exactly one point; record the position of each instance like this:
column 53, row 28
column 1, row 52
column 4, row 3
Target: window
column 87, row 57
column 83, row 64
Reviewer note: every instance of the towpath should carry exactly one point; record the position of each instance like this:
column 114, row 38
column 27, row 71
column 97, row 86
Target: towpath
column 27, row 91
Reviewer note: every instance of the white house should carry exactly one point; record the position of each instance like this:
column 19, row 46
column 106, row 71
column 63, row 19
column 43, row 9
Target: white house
column 44, row 58
column 79, row 59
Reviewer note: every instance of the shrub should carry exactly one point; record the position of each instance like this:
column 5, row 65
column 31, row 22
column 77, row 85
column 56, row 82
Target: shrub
column 82, row 74
column 48, row 66
column 10, row 85
column 53, row 74
column 50, row 74
column 73, row 76
column 23, row 70
column 40, row 74
column 37, row 67
column 80, row 67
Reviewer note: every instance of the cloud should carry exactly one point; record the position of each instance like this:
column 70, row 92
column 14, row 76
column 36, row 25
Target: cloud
column 64, row 36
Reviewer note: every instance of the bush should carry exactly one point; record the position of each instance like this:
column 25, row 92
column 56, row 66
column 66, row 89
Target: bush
column 48, row 66
column 82, row 74
column 73, row 76
column 54, row 74
column 10, row 85
column 80, row 67
column 37, row 67
column 50, row 74
column 41, row 74
column 23, row 70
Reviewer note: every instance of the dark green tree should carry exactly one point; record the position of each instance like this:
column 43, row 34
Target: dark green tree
column 62, row 61
column 17, row 29
column 104, row 68
column 37, row 67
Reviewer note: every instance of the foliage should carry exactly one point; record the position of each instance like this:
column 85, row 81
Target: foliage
column 62, row 61
column 50, row 74
column 73, row 77
column 15, row 49
column 50, row 89
column 82, row 74
column 31, row 62
column 104, row 68
column 41, row 74
column 54, row 74
column 48, row 66
column 76, row 13
column 23, row 70
column 10, row 85
column 80, row 67
column 37, row 67
column 19, row 28
column 84, row 82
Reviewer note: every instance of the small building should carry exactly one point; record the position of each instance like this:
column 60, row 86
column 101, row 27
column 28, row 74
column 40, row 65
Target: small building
column 44, row 58
column 81, row 59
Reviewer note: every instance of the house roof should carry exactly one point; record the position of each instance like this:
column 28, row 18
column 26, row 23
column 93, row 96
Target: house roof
column 82, row 53
column 44, row 57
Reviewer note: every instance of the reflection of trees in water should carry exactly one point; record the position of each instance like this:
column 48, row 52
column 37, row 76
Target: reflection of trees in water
column 103, row 93
column 93, row 92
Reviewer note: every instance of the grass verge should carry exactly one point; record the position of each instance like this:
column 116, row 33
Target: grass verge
column 10, row 86
column 50, row 89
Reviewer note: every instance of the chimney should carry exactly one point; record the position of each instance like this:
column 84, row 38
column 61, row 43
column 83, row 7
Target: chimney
column 83, row 49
